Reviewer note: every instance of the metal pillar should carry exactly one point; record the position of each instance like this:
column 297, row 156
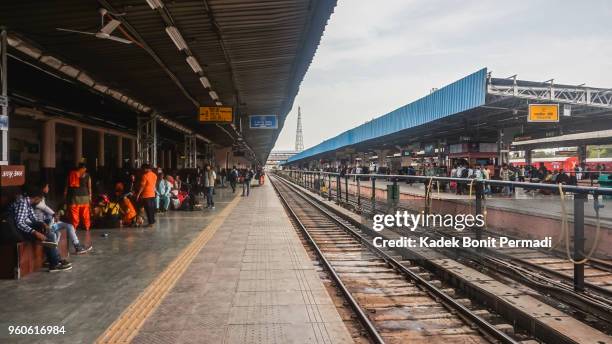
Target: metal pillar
column 48, row 145
column 162, row 159
column 119, row 152
column 4, row 98
column 101, row 149
column 191, row 152
column 528, row 157
column 579, row 200
column 146, row 140
column 133, row 153
column 78, row 145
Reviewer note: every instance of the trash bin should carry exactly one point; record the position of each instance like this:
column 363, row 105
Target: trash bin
column 605, row 182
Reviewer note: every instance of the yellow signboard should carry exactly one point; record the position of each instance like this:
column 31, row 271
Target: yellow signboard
column 543, row 113
column 216, row 114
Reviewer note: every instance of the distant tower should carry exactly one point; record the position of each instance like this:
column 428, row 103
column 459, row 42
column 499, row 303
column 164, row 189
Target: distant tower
column 299, row 136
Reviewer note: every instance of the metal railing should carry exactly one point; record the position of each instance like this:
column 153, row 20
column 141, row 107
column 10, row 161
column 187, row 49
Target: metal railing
column 321, row 183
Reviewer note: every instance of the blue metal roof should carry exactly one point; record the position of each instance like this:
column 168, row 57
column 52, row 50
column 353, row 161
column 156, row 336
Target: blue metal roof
column 461, row 95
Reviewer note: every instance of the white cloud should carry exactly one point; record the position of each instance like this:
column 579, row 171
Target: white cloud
column 377, row 56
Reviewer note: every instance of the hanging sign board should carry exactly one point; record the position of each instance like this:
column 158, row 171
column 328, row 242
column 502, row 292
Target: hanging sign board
column 216, row 114
column 12, row 175
column 263, row 122
column 543, row 113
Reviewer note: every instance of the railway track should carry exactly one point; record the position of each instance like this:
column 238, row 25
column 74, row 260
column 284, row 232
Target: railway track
column 587, row 303
column 394, row 303
column 553, row 265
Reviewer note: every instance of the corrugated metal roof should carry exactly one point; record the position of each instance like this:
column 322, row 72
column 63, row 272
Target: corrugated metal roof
column 254, row 53
column 464, row 94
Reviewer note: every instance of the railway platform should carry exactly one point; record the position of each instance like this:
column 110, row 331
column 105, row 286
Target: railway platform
column 236, row 274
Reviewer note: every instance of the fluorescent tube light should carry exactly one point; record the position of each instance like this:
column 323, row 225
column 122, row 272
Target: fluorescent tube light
column 176, row 37
column 193, row 63
column 213, row 95
column 154, row 4
column 218, row 103
column 205, row 82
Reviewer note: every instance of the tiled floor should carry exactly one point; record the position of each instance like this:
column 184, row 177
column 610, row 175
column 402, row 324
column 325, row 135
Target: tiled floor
column 87, row 299
column 252, row 283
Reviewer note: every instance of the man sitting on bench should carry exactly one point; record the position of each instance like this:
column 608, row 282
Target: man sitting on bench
column 22, row 212
column 45, row 214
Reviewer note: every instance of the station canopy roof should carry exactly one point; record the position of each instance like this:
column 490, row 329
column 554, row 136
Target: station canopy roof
column 476, row 108
column 254, row 55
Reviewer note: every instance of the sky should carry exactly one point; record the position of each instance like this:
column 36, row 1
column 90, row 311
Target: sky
column 376, row 56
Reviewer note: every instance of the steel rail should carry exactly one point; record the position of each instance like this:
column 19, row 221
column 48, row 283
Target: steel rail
column 598, row 303
column 363, row 318
column 485, row 326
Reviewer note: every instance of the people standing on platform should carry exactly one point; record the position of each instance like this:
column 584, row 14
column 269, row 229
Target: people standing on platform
column 146, row 193
column 78, row 196
column 505, row 175
column 162, row 199
column 486, row 175
column 233, row 178
column 209, row 183
column 246, row 183
column 45, row 214
column 223, row 176
column 22, row 213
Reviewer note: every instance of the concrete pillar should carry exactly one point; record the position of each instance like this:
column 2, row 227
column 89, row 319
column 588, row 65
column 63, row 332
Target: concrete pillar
column 78, row 145
column 133, row 152
column 48, row 152
column 119, row 152
column 101, row 149
column 48, row 145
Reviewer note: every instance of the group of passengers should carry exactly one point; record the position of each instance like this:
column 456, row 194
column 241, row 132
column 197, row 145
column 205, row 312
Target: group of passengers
column 135, row 195
column 462, row 169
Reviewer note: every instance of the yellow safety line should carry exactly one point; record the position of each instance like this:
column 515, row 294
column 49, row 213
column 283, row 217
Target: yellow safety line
column 126, row 327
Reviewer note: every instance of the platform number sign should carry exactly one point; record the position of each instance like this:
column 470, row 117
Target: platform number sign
column 543, row 113
column 216, row 114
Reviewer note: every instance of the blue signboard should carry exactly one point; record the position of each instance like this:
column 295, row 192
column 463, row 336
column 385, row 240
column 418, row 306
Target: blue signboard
column 263, row 122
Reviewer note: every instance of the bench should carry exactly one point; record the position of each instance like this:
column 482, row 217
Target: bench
column 20, row 258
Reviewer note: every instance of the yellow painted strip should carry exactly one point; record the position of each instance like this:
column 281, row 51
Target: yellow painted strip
column 126, row 327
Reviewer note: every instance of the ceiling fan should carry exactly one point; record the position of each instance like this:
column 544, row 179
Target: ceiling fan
column 105, row 29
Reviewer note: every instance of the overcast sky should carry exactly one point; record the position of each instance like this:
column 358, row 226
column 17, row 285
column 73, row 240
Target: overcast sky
column 376, row 56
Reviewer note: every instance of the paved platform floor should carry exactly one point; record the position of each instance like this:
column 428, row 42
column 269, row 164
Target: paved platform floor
column 251, row 282
column 521, row 202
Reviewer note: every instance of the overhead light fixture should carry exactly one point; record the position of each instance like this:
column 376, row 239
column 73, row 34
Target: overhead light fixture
column 213, row 95
column 218, row 103
column 205, row 82
column 51, row 61
column 176, row 37
column 69, row 70
column 193, row 63
column 100, row 88
column 155, row 4
column 86, row 79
